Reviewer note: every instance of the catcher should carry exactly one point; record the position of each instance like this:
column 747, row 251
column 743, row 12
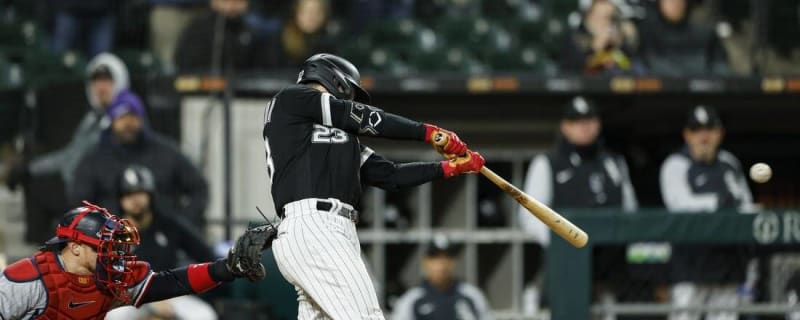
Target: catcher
column 88, row 269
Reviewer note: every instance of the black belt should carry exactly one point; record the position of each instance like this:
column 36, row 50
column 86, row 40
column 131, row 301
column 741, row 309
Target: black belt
column 350, row 214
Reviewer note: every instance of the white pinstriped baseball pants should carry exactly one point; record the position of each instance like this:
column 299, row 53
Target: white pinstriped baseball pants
column 319, row 253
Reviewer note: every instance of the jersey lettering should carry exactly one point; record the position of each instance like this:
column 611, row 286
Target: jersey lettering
column 323, row 134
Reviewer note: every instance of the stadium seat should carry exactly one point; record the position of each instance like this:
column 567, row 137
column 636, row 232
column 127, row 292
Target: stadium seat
column 527, row 59
column 455, row 60
column 140, row 62
column 43, row 67
column 385, row 61
column 10, row 74
column 15, row 37
column 563, row 8
column 480, row 36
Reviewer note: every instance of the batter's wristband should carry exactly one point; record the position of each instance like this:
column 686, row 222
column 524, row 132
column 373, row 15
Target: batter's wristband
column 429, row 131
column 448, row 171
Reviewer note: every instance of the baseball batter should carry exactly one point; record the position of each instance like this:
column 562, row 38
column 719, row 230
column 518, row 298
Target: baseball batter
column 316, row 165
column 89, row 269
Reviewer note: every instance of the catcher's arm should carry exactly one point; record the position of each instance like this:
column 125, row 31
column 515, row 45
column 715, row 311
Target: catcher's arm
column 243, row 261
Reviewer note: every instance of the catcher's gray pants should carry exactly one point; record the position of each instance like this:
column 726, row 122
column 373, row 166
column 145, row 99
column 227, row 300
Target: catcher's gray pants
column 319, row 253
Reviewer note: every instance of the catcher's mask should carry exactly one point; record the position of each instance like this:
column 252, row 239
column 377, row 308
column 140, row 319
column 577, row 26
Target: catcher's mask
column 114, row 240
column 336, row 74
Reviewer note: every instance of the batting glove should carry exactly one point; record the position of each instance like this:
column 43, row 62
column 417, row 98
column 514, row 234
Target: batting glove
column 471, row 162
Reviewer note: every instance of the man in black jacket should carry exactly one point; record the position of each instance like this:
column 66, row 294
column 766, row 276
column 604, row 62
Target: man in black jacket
column 183, row 192
column 674, row 46
column 220, row 40
column 162, row 239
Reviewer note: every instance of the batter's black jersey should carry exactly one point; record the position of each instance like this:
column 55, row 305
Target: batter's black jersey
column 313, row 151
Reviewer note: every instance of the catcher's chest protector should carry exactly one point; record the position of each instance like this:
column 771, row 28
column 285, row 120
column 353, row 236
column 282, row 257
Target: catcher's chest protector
column 69, row 296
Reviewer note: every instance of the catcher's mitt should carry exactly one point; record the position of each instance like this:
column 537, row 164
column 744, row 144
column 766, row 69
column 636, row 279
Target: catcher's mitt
column 244, row 258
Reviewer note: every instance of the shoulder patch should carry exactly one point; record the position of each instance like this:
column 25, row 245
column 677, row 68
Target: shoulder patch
column 22, row 271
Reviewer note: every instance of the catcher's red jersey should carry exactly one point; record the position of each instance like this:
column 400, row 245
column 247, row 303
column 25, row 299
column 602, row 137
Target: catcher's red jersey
column 65, row 295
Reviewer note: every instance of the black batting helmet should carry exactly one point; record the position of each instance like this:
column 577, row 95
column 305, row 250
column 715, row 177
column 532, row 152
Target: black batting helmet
column 336, row 74
column 137, row 178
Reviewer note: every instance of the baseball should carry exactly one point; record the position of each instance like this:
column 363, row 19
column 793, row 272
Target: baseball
column 760, row 172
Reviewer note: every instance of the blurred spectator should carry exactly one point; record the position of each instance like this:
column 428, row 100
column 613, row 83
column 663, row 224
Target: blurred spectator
column 220, row 40
column 604, row 43
column 162, row 240
column 580, row 172
column 441, row 295
column 54, row 171
column 107, row 76
column 303, row 35
column 366, row 12
column 89, row 22
column 168, row 18
column 704, row 178
column 671, row 45
column 183, row 193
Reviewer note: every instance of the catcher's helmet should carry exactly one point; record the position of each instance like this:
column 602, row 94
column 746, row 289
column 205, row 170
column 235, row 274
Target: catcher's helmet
column 114, row 240
column 337, row 75
column 137, row 178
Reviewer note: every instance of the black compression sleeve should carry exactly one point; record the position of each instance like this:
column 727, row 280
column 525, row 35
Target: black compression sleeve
column 179, row 281
column 167, row 284
column 384, row 174
column 367, row 120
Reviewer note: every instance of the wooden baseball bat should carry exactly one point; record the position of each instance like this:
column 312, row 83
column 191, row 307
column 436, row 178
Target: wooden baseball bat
column 560, row 225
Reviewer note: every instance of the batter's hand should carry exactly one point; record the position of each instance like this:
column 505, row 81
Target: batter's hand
column 470, row 162
column 444, row 141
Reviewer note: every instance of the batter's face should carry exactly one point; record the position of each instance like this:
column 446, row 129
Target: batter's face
column 230, row 8
column 673, row 10
column 310, row 16
column 581, row 132
column 102, row 89
column 126, row 128
column 439, row 269
column 135, row 204
column 703, row 142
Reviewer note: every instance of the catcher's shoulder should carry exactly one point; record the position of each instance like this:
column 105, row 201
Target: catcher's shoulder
column 23, row 270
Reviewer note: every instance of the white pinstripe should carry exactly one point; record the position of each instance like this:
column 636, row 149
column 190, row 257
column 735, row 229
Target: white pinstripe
column 319, row 253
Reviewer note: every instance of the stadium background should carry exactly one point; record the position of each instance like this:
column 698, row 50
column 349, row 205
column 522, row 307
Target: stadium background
column 491, row 71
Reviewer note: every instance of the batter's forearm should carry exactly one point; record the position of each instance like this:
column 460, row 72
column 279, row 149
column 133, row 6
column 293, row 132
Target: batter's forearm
column 416, row 173
column 367, row 120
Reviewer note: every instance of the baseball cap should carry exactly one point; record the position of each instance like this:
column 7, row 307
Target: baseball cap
column 124, row 103
column 440, row 245
column 137, row 178
column 580, row 108
column 703, row 117
column 101, row 71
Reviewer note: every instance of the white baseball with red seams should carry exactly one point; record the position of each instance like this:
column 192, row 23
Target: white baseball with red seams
column 760, row 172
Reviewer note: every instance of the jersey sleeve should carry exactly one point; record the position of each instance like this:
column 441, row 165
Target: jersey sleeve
column 379, row 172
column 538, row 184
column 676, row 191
column 21, row 300
column 404, row 307
column 353, row 117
